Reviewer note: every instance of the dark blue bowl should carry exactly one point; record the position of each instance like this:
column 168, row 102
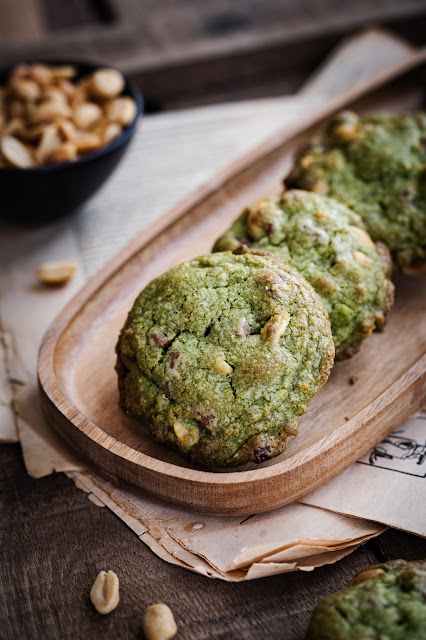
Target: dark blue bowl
column 40, row 194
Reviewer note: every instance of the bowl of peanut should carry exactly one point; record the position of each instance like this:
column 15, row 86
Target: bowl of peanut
column 63, row 130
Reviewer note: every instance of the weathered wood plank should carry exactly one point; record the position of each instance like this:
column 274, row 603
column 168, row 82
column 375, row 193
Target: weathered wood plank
column 44, row 584
column 20, row 21
column 187, row 52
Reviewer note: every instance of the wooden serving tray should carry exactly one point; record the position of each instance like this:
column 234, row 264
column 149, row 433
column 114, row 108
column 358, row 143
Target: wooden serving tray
column 76, row 362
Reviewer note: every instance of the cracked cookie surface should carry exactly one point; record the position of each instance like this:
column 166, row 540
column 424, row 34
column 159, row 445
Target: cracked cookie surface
column 385, row 601
column 376, row 165
column 327, row 243
column 220, row 355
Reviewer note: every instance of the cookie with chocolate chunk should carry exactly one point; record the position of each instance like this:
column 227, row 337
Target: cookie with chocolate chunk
column 220, row 355
column 376, row 165
column 327, row 243
column 385, row 601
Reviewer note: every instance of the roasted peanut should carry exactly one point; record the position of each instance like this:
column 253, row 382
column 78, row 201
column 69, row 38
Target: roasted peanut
column 67, row 88
column 79, row 96
column 67, row 129
column 64, row 153
column 55, row 95
column 46, row 117
column 347, row 132
column 49, row 142
column 66, row 72
column 15, row 153
column 361, row 258
column 121, row 110
column 49, row 110
column 25, row 89
column 40, row 74
column 320, row 187
column 158, row 623
column 20, row 71
column 276, row 326
column 106, row 83
column 105, row 592
column 223, row 367
column 56, row 272
column 307, row 161
column 85, row 141
column 111, row 131
column 367, row 574
column 86, row 114
column 187, row 435
column 362, row 236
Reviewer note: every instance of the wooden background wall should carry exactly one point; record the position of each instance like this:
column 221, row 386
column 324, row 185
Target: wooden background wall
column 190, row 51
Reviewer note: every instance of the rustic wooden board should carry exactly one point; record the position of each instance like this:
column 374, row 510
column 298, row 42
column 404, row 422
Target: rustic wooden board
column 190, row 52
column 48, row 529
column 76, row 362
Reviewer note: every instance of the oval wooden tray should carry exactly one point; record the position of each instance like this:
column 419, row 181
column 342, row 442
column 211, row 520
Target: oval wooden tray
column 76, row 362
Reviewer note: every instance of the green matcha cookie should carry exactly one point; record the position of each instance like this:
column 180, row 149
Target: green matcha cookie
column 385, row 602
column 326, row 242
column 376, row 165
column 220, row 355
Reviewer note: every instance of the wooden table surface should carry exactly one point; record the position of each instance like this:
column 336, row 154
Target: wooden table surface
column 52, row 538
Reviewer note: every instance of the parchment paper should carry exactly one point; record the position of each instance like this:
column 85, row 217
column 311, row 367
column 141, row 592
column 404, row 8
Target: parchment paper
column 389, row 481
column 295, row 537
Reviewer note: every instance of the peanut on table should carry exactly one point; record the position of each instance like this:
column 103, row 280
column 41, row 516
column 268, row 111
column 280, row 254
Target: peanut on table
column 47, row 117
column 158, row 623
column 55, row 272
column 105, row 594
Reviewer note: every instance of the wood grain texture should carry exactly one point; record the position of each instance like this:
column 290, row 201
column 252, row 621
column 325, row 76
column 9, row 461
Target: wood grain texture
column 340, row 426
column 190, row 52
column 20, row 21
column 157, row 34
column 53, row 542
